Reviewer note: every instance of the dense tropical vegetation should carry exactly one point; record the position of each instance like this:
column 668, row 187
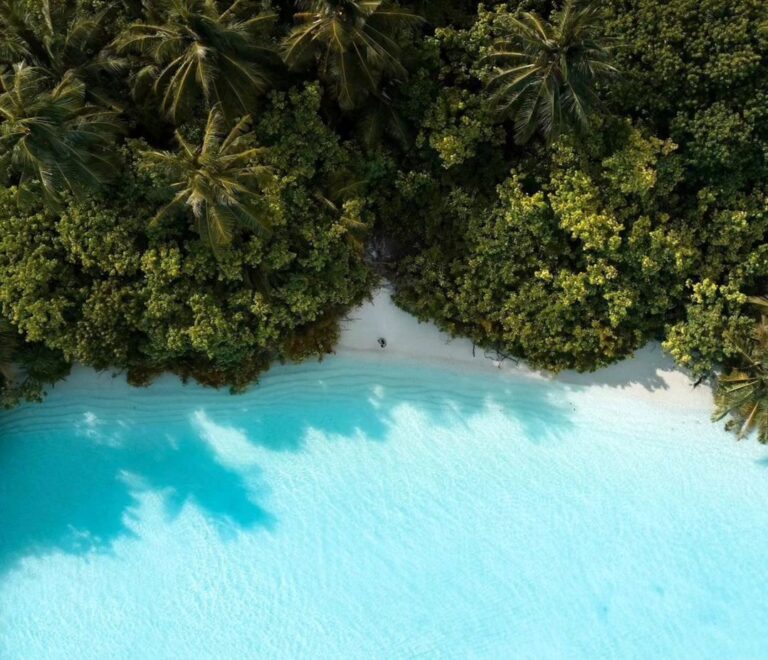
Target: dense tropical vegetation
column 190, row 185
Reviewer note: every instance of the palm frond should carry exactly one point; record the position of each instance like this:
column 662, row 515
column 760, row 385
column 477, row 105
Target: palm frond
column 197, row 52
column 547, row 71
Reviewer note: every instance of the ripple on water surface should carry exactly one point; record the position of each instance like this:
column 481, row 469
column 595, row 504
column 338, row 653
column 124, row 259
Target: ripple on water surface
column 359, row 510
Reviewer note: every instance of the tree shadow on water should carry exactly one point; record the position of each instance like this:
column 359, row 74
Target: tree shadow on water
column 72, row 485
column 541, row 411
column 365, row 407
column 75, row 492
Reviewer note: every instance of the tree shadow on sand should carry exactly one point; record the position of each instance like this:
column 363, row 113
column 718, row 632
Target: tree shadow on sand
column 645, row 368
column 73, row 472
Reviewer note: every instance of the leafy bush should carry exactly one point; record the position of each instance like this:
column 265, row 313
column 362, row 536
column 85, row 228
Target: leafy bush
column 575, row 274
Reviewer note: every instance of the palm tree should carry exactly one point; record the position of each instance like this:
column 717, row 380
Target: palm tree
column 49, row 133
column 548, row 70
column 743, row 393
column 354, row 43
column 220, row 182
column 196, row 51
column 65, row 42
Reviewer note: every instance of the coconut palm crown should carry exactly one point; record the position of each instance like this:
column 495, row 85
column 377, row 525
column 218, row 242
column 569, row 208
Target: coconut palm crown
column 353, row 42
column 547, row 70
column 49, row 133
column 196, row 51
column 219, row 182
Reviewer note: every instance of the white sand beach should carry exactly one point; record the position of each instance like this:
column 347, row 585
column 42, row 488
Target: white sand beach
column 650, row 374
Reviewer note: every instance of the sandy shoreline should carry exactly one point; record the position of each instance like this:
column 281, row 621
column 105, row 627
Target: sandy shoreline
column 650, row 374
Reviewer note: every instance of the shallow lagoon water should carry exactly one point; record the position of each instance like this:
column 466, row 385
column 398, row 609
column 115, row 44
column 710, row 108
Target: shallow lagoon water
column 353, row 509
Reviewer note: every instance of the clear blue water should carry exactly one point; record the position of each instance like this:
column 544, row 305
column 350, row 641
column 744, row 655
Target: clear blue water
column 357, row 510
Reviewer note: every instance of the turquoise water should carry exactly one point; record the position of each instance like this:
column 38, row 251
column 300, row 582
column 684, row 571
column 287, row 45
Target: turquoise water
column 357, row 510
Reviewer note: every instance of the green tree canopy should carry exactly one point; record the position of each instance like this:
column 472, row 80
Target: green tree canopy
column 101, row 284
column 577, row 274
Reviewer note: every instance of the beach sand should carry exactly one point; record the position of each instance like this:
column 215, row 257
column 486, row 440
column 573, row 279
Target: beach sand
column 650, row 374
